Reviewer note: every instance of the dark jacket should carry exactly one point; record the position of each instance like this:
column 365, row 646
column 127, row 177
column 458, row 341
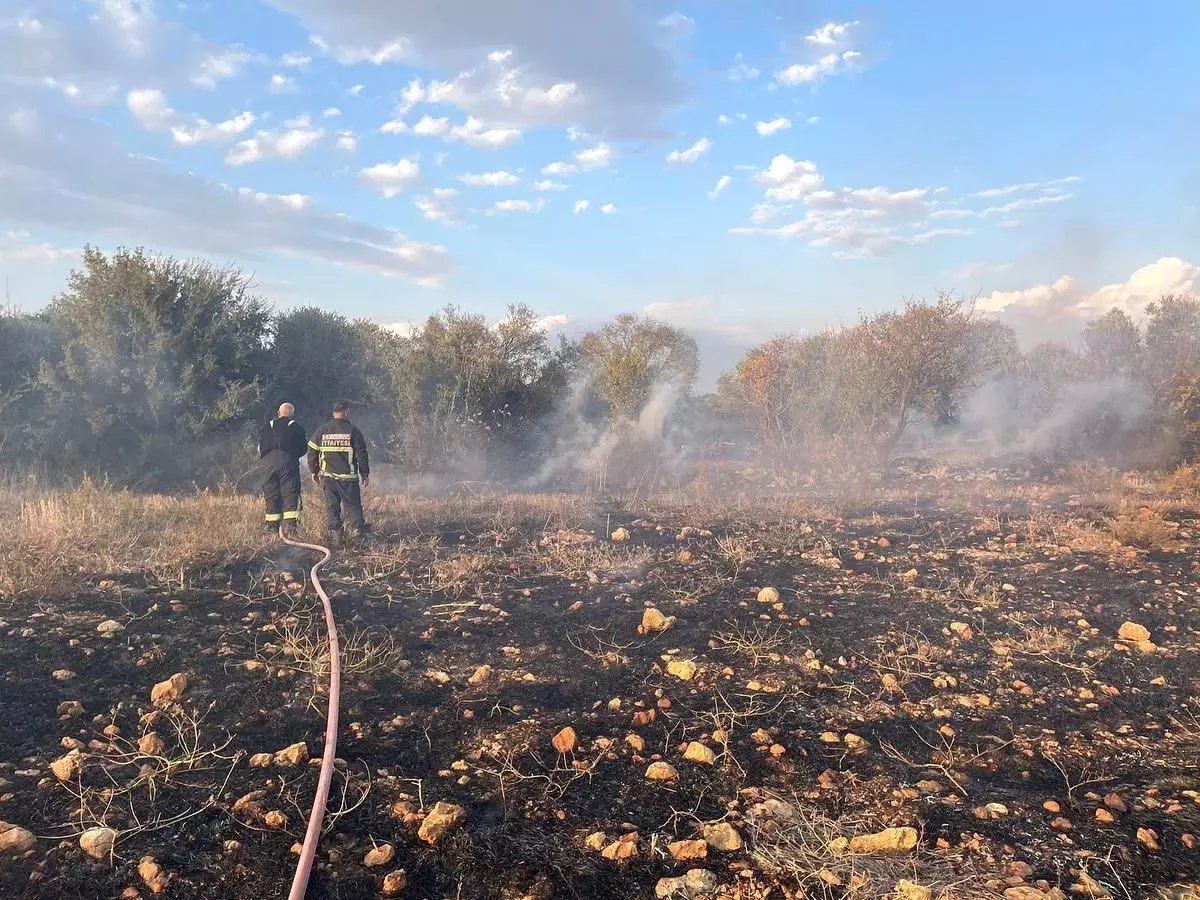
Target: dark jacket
column 338, row 450
column 283, row 435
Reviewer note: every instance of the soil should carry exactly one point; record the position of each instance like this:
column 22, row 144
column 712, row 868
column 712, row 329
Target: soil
column 859, row 698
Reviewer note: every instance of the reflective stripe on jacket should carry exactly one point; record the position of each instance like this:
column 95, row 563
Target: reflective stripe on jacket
column 338, row 450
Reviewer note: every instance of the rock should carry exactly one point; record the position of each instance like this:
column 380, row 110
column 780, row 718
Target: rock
column 171, row 690
column 1023, row 892
column 260, row 760
column 1112, row 801
column 930, row 787
column 70, row 709
column 695, row 884
column 395, row 882
column 636, row 742
column 698, row 753
column 1148, row 838
column 683, row 669
column 597, row 841
column 480, row 675
column 443, row 818
column 1131, row 631
column 890, row 840
column 654, row 622
column 294, row 755
column 98, row 842
column 248, row 804
column 275, row 819
column 564, row 742
column 110, row 628
column 62, row 675
column 621, row 850
column 150, row 744
column 963, row 630
column 15, row 840
column 687, row 850
column 768, row 595
column 621, row 534
column 379, row 856
column 996, row 810
column 152, row 874
column 723, row 836
column 661, row 771
column 909, row 890
column 69, row 767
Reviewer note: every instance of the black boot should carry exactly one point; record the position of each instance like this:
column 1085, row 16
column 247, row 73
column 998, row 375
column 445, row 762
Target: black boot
column 272, row 528
column 291, row 531
column 333, row 540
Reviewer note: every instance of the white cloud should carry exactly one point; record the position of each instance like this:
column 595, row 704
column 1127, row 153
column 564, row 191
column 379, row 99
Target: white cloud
column 548, row 185
column 355, row 90
column 282, row 84
column 472, row 132
column 552, row 322
column 722, row 183
column 410, row 97
column 952, row 213
column 833, row 56
column 437, row 206
column 808, row 73
column 582, row 206
column 1025, row 203
column 1068, row 301
column 150, row 109
column 515, row 206
column 766, row 129
column 295, row 60
column 347, row 141
column 597, row 157
column 789, row 179
column 813, row 120
column 677, row 24
column 331, row 112
column 740, row 71
column 1025, row 188
column 724, row 120
column 831, row 34
column 68, row 172
column 16, row 247
column 608, row 209
column 623, row 78
column 404, row 329
column 690, row 155
column 91, row 59
column 390, row 179
column 296, row 137
column 490, row 179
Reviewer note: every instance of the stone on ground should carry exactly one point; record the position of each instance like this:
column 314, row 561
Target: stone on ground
column 98, row 842
column 890, row 840
column 15, row 840
column 443, row 818
column 171, row 690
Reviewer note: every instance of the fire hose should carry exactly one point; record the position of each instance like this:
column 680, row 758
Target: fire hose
column 312, row 835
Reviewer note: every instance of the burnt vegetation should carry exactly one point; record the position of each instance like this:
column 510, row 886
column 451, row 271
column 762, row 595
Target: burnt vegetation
column 899, row 610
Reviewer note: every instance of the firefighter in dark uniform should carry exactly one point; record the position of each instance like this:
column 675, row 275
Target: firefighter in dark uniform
column 281, row 444
column 338, row 461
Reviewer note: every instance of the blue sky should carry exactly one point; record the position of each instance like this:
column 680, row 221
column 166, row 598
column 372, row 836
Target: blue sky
column 1040, row 156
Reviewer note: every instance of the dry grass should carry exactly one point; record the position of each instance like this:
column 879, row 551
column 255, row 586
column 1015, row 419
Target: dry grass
column 1145, row 529
column 62, row 539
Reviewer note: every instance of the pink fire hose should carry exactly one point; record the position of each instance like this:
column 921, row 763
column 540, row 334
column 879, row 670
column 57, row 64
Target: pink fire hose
column 312, row 835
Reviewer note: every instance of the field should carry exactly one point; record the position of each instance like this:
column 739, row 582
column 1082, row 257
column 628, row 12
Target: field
column 955, row 684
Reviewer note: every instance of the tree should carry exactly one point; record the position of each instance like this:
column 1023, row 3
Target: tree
column 1113, row 344
column 908, row 362
column 473, row 393
column 627, row 357
column 160, row 371
column 26, row 342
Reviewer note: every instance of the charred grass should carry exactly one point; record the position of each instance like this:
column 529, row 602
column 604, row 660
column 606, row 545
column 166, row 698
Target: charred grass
column 942, row 655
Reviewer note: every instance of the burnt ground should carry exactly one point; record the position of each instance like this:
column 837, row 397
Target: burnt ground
column 955, row 668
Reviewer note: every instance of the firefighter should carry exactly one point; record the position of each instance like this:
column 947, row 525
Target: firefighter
column 280, row 445
column 338, row 461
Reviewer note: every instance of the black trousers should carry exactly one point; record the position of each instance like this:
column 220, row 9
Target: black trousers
column 339, row 491
column 281, row 487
